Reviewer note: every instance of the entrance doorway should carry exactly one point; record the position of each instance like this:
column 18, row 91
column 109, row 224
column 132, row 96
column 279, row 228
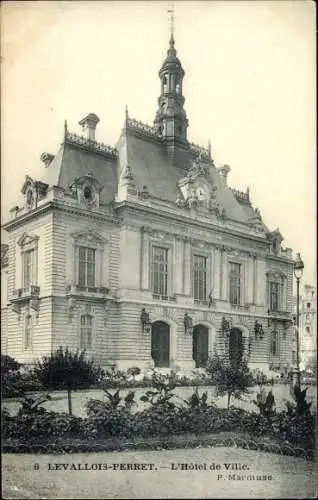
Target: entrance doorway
column 160, row 344
column 236, row 347
column 200, row 346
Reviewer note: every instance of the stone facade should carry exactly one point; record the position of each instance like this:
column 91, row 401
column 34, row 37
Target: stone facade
column 307, row 326
column 80, row 255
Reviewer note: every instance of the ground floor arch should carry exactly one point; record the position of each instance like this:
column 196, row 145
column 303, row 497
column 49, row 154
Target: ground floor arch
column 236, row 347
column 200, row 345
column 160, row 344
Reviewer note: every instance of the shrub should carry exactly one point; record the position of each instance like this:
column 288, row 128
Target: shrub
column 302, row 406
column 8, row 364
column 68, row 370
column 112, row 417
column 163, row 390
column 229, row 379
column 134, row 371
column 265, row 403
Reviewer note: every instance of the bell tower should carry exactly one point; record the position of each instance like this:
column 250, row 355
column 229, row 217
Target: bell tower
column 171, row 120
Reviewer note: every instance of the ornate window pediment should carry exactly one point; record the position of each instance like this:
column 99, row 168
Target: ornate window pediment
column 274, row 274
column 89, row 236
column 27, row 240
column 87, row 190
column 198, row 169
column 33, row 191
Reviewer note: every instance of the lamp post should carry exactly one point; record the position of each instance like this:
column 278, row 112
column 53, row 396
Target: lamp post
column 298, row 272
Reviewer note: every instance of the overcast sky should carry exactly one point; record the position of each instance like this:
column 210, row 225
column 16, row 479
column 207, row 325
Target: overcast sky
column 249, row 88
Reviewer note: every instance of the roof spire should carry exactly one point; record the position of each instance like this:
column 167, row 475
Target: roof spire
column 172, row 19
column 172, row 51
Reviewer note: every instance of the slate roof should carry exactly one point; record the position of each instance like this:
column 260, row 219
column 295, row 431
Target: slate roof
column 72, row 161
column 150, row 167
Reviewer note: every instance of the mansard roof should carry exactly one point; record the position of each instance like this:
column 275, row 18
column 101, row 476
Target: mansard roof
column 150, row 167
column 144, row 152
column 75, row 160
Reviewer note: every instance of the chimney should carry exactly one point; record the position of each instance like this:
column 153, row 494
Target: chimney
column 89, row 126
column 224, row 171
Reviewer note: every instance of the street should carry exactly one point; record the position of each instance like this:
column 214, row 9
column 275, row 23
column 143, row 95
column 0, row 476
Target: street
column 191, row 473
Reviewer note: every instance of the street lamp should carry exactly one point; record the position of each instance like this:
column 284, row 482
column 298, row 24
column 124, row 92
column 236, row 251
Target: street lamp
column 298, row 272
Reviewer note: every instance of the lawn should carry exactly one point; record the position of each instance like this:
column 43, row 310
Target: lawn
column 59, row 398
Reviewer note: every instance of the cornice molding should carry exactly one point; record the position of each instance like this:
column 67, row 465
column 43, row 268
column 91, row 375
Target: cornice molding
column 53, row 206
column 132, row 208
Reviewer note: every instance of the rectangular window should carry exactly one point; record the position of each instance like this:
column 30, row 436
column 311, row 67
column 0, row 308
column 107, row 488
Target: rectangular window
column 86, row 267
column 235, row 283
column 274, row 343
column 28, row 333
column 28, row 262
column 274, row 296
column 159, row 266
column 199, row 277
column 86, row 331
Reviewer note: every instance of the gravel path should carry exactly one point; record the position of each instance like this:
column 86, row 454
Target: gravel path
column 159, row 475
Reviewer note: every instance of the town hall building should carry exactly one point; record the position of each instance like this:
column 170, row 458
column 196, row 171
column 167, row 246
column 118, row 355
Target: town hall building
column 142, row 254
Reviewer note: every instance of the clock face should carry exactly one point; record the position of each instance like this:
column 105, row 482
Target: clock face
column 200, row 192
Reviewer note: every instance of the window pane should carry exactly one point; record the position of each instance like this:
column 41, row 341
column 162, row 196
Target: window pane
column 159, row 270
column 82, row 274
column 199, row 277
column 235, row 283
column 274, row 290
column 27, row 268
column 86, row 331
column 86, row 266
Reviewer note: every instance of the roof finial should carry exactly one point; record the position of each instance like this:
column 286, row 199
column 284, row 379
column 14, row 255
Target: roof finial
column 65, row 128
column 209, row 149
column 171, row 20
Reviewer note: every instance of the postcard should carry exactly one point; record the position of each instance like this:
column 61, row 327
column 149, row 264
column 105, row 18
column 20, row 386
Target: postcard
column 158, row 251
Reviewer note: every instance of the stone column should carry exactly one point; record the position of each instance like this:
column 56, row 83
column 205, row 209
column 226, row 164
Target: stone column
column 187, row 267
column 145, row 271
column 254, row 279
column 216, row 269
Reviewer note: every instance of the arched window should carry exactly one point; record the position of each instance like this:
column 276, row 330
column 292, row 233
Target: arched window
column 165, row 83
column 28, row 333
column 178, row 88
column 86, row 331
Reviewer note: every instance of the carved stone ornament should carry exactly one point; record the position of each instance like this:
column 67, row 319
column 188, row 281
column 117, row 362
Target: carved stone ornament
column 188, row 324
column 225, row 326
column 193, row 201
column 258, row 330
column 197, row 169
column 145, row 320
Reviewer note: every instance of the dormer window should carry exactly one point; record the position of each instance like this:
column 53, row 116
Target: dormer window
column 87, row 190
column 88, row 195
column 30, row 198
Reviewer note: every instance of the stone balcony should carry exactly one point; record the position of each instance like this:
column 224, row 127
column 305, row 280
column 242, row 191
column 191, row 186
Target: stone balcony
column 29, row 294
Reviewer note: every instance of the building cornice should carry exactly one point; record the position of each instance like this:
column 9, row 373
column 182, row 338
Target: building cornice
column 52, row 206
column 164, row 215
